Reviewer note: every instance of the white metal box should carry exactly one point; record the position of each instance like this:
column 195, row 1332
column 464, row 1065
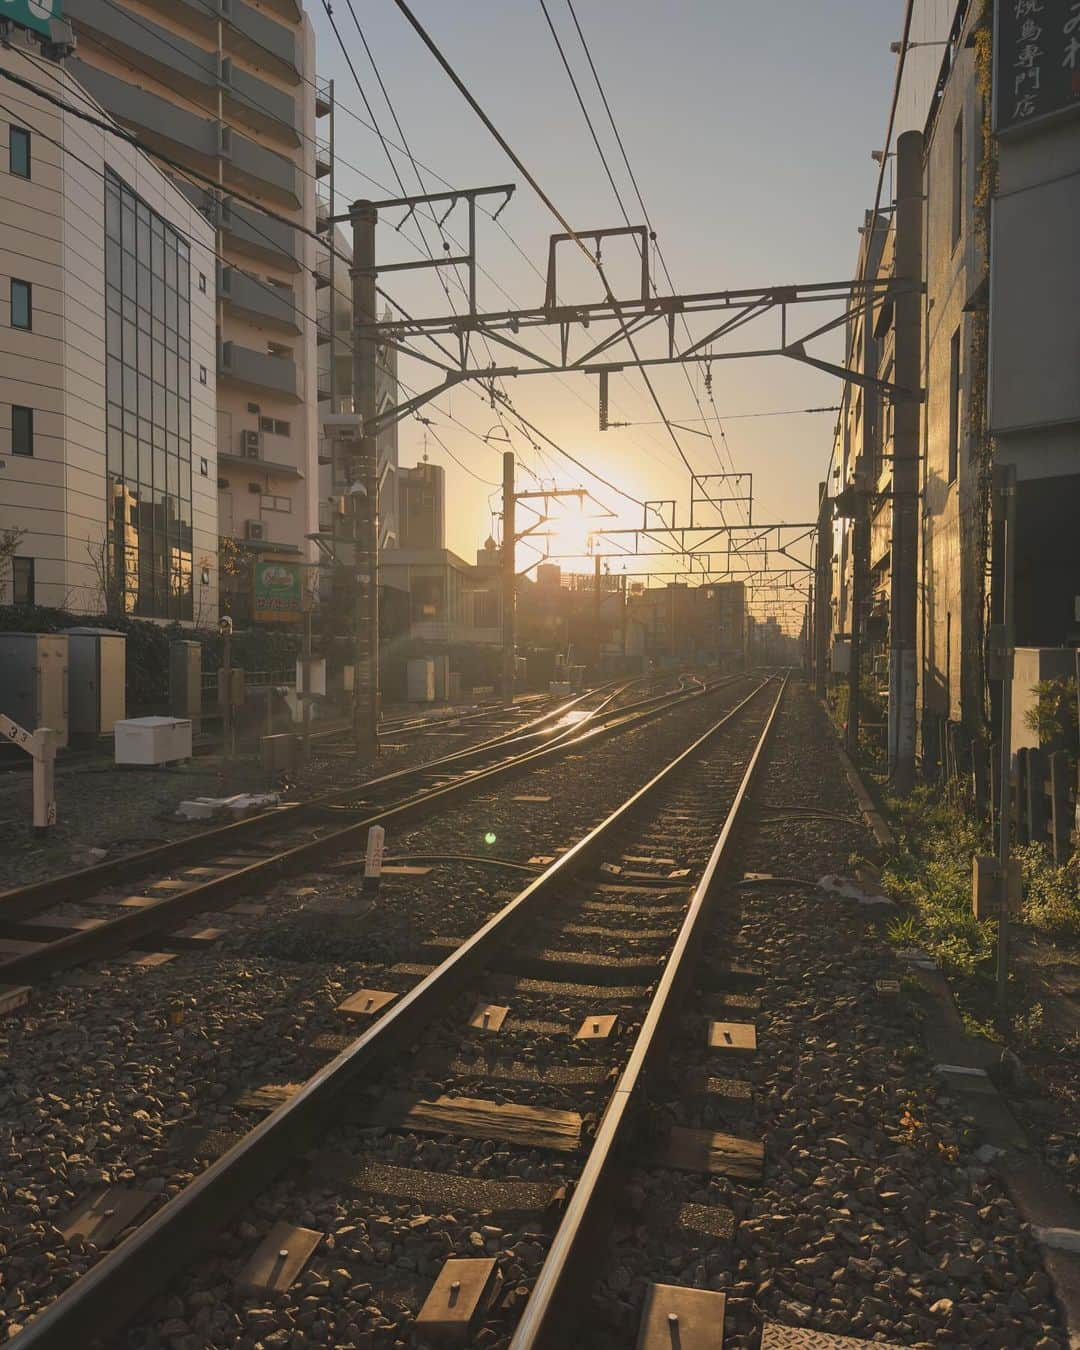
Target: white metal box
column 152, row 740
column 97, row 672
column 34, row 681
column 420, row 680
column 841, row 656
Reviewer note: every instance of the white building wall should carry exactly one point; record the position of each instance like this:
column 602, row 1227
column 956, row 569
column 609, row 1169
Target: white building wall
column 52, row 234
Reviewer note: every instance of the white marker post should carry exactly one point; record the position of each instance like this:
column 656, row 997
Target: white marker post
column 376, row 841
column 41, row 746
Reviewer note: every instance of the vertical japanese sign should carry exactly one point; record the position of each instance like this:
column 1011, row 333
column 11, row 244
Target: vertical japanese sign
column 1036, row 60
column 33, row 14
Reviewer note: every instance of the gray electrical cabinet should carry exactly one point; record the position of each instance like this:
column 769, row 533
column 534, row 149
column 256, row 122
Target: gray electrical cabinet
column 34, row 681
column 185, row 681
column 97, row 675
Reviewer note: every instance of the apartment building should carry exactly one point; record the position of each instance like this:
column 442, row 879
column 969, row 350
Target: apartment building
column 994, row 92
column 108, row 388
column 422, row 506
column 227, row 91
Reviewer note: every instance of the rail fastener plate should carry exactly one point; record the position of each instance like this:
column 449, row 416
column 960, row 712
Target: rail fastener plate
column 278, row 1259
column 102, row 1216
column 366, row 1002
column 461, row 1292
column 597, row 1028
column 737, row 1038
column 692, row 1319
column 488, row 1016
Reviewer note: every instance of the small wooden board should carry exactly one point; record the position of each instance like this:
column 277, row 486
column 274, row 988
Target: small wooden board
column 366, row 1002
column 478, row 1118
column 777, row 1337
column 488, row 1016
column 267, row 1098
column 887, row 988
column 404, row 870
column 102, row 1216
column 197, row 872
column 171, row 884
column 677, row 1318
column 278, row 1259
column 193, row 937
column 461, row 1292
column 138, row 902
column 647, row 861
column 13, row 996
column 528, row 797
column 719, row 1155
column 597, row 1028
column 734, row 1038
column 150, row 960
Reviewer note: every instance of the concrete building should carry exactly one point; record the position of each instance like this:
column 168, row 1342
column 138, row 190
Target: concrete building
column 422, row 506
column 995, row 94
column 705, row 623
column 450, row 601
column 108, row 445
column 229, row 92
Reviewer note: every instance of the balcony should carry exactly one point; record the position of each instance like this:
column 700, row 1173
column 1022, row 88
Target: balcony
column 258, row 370
column 174, row 55
column 149, row 112
column 263, row 105
column 254, row 164
column 253, row 465
column 259, row 236
column 261, row 40
column 260, row 301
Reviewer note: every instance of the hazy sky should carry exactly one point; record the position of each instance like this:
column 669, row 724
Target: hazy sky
column 749, row 125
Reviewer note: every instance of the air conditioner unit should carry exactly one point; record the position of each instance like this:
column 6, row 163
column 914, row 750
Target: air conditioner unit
column 250, row 442
column 254, row 529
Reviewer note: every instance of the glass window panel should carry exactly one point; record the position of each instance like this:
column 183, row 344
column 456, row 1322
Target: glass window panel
column 146, row 467
column 115, row 416
column 158, row 329
column 114, row 456
column 172, row 413
column 170, row 309
column 173, row 442
column 112, row 332
column 144, row 334
column 112, row 263
column 159, row 405
column 145, row 409
column 128, row 223
column 114, row 380
column 131, row 343
column 183, row 277
column 184, row 324
column 170, row 269
column 170, row 371
column 143, row 249
column 182, row 250
column 158, row 292
column 127, row 282
column 112, row 210
column 144, row 286
column 127, row 308
column 131, row 422
column 170, row 339
column 144, row 428
column 184, row 348
column 112, row 293
column 160, row 477
column 158, row 363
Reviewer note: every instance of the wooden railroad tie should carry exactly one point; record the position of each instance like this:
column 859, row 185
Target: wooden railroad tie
column 477, row 1118
column 719, row 1155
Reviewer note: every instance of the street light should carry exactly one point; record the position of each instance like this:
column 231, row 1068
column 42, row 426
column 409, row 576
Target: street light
column 897, row 47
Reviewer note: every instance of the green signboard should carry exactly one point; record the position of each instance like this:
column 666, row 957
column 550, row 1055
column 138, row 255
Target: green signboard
column 277, row 589
column 34, row 14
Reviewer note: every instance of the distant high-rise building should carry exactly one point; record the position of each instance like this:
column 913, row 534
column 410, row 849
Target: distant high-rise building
column 422, row 506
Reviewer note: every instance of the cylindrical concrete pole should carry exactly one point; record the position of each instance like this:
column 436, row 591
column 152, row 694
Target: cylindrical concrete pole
column 508, row 578
column 903, row 609
column 364, row 473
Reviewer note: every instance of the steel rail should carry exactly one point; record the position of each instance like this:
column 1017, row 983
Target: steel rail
column 22, row 901
column 110, row 1294
column 554, row 1299
column 219, row 892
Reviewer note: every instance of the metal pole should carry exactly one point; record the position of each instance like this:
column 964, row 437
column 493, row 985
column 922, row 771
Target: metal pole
column 306, row 667
column 332, row 240
column 1008, row 492
column 508, row 588
column 860, row 563
column 363, row 499
column 905, row 525
column 227, row 709
column 596, row 615
column 822, row 590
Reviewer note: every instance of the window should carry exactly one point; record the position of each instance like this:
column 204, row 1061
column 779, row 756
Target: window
column 274, row 426
column 957, row 178
column 22, row 581
column 148, row 382
column 22, row 304
column 22, row 430
column 954, row 406
column 19, row 151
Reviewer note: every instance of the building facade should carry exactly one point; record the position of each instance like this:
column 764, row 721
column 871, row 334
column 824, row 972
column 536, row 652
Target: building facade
column 108, row 455
column 228, row 93
column 422, row 506
column 994, row 94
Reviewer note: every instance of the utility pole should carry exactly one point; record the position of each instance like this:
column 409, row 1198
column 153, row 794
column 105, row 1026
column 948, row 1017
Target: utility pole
column 907, row 268
column 860, row 570
column 597, row 612
column 822, row 590
column 509, row 539
column 1002, row 645
column 363, row 476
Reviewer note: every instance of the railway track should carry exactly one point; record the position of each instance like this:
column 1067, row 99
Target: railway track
column 576, row 1010
column 65, row 921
